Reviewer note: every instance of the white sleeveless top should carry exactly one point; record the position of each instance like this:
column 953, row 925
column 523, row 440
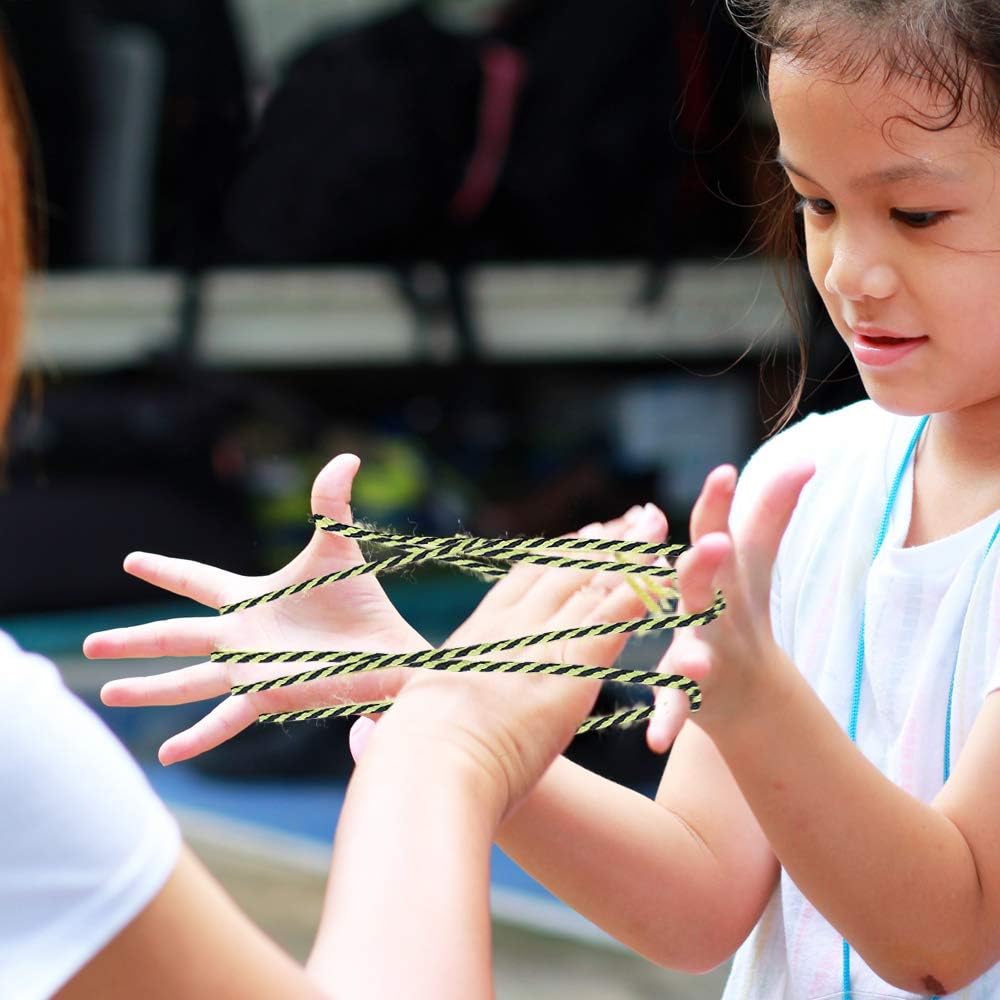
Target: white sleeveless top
column 925, row 606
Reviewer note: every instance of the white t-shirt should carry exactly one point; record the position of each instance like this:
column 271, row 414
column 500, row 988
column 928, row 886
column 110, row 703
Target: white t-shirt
column 928, row 608
column 84, row 842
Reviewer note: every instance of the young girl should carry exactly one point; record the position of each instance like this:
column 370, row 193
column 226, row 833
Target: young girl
column 831, row 813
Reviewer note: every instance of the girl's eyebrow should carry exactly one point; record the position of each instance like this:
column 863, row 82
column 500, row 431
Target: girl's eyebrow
column 908, row 170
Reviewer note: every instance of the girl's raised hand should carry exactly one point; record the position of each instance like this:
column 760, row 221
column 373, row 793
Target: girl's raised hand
column 726, row 657
column 515, row 725
column 350, row 614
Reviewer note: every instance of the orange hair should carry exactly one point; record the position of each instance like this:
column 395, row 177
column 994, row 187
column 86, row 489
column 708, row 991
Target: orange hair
column 13, row 234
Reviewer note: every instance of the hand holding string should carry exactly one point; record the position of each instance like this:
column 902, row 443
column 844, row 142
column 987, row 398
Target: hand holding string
column 723, row 654
column 514, row 726
column 354, row 614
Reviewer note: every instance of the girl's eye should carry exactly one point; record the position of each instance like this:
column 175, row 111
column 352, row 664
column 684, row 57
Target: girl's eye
column 817, row 206
column 919, row 220
column 915, row 220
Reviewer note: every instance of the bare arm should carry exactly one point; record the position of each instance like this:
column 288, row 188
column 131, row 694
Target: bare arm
column 406, row 913
column 915, row 888
column 407, row 910
column 407, row 907
column 191, row 941
column 681, row 880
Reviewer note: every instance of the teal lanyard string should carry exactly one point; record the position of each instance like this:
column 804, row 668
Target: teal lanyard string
column 859, row 663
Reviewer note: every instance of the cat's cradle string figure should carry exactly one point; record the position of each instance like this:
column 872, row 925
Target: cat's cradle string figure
column 489, row 558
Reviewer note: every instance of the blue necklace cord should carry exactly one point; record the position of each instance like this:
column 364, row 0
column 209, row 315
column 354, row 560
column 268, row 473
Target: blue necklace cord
column 859, row 663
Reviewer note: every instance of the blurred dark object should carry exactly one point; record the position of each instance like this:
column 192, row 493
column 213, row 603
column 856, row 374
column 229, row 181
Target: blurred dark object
column 302, row 751
column 131, row 462
column 203, row 122
column 619, row 755
column 139, row 114
column 553, row 135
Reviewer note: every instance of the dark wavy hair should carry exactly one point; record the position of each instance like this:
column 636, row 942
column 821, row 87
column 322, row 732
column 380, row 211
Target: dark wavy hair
column 951, row 47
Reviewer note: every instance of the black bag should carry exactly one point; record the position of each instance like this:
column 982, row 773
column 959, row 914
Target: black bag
column 552, row 136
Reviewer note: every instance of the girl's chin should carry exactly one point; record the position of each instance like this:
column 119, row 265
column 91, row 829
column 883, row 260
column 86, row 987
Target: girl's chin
column 893, row 400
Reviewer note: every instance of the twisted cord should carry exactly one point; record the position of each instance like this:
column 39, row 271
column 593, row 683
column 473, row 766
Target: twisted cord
column 489, row 557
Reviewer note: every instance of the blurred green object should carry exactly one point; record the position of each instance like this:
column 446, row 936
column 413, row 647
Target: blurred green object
column 393, row 480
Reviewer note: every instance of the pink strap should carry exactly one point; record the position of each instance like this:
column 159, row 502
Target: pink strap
column 504, row 70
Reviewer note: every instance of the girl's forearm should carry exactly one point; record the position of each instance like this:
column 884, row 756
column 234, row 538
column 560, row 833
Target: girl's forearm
column 632, row 867
column 895, row 876
column 407, row 907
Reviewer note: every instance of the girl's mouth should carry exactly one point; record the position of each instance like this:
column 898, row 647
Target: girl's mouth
column 879, row 351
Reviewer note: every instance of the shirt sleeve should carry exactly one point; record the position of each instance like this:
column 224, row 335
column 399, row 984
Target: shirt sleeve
column 87, row 844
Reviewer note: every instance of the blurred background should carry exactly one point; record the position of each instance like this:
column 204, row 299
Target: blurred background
column 504, row 250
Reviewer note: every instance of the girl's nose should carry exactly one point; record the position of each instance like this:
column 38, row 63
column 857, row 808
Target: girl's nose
column 854, row 274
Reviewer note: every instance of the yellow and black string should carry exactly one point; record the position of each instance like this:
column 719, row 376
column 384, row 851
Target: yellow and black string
column 488, row 558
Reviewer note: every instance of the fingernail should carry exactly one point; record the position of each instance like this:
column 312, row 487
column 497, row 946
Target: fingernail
column 360, row 733
column 645, row 523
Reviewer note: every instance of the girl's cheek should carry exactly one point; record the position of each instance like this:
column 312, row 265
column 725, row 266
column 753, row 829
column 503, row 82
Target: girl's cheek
column 818, row 261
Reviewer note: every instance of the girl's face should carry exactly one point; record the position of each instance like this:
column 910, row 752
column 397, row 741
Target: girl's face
column 902, row 232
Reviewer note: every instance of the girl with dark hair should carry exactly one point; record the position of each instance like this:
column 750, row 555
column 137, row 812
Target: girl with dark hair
column 831, row 813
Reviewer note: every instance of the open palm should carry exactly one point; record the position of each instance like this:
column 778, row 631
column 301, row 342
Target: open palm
column 350, row 614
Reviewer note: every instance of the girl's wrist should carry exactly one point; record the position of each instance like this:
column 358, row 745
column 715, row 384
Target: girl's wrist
column 427, row 733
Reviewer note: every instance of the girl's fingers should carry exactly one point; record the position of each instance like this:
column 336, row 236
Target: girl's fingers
column 689, row 656
column 546, row 591
column 373, row 685
column 224, row 722
column 176, row 687
column 331, row 497
column 233, row 715
column 606, row 597
column 703, row 569
column 555, row 591
column 174, row 637
column 331, row 490
column 769, row 517
column 711, row 510
column 184, row 577
column 530, row 595
column 672, row 710
column 360, row 733
column 505, row 595
column 515, row 585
